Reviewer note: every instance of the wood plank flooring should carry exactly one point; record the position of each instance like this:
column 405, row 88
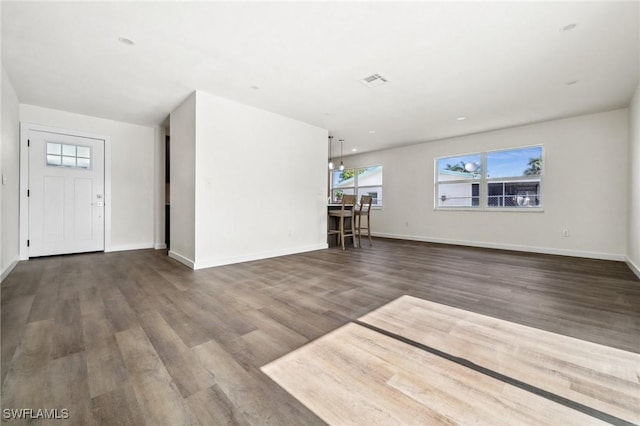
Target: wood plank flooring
column 357, row 376
column 433, row 362
column 597, row 376
column 134, row 337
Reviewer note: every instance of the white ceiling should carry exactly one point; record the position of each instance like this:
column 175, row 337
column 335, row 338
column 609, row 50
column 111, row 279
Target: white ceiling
column 499, row 64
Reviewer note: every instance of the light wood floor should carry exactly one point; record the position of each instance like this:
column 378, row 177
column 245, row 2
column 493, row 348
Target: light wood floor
column 135, row 337
column 596, row 376
column 426, row 363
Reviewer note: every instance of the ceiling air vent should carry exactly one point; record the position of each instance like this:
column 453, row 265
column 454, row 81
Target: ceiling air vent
column 373, row 80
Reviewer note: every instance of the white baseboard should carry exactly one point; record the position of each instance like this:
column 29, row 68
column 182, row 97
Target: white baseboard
column 182, row 259
column 257, row 256
column 160, row 246
column 8, row 269
column 633, row 267
column 513, row 247
column 125, row 247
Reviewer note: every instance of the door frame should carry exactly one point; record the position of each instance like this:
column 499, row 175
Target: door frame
column 25, row 128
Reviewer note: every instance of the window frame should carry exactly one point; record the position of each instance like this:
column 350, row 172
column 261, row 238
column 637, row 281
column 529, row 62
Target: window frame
column 471, row 180
column 484, row 182
column 355, row 186
column 62, row 155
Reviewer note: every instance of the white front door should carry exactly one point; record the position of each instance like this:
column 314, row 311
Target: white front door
column 66, row 194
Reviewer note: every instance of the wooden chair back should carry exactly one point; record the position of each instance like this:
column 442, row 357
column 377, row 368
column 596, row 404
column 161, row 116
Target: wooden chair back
column 365, row 204
column 348, row 202
column 363, row 211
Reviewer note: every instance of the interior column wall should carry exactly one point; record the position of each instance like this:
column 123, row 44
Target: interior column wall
column 159, row 181
column 10, row 185
column 633, row 239
column 260, row 183
column 183, row 176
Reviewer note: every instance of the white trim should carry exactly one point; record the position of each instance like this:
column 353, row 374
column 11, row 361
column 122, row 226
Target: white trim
column 634, row 268
column 489, row 209
column 258, row 256
column 107, row 195
column 180, row 258
column 25, row 128
column 8, row 269
column 500, row 246
column 160, row 246
column 126, row 247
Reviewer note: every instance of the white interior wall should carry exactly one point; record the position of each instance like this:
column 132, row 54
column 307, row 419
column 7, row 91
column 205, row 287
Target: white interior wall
column 183, row 197
column 159, row 180
column 10, row 187
column 260, row 183
column 132, row 172
column 585, row 190
column 633, row 239
column 2, row 141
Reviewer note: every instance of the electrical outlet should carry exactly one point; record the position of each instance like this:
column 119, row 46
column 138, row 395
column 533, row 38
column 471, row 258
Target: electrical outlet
column 565, row 232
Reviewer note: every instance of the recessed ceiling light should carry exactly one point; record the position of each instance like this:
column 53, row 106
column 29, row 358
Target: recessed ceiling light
column 354, row 149
column 372, row 131
column 572, row 82
column 126, row 41
column 461, row 118
column 569, row 27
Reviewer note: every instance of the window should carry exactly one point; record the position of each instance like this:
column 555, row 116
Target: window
column 492, row 180
column 459, row 181
column 513, row 177
column 68, row 155
column 361, row 181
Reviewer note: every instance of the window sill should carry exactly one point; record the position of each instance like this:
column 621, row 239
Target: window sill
column 515, row 209
column 491, row 209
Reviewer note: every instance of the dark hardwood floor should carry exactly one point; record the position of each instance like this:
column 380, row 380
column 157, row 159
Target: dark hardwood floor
column 135, row 337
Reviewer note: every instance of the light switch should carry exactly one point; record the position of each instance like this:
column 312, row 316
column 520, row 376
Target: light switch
column 4, row 179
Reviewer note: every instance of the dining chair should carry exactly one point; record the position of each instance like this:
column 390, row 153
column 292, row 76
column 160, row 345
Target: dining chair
column 363, row 211
column 347, row 211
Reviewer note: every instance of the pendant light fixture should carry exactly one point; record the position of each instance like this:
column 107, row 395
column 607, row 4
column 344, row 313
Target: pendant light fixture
column 341, row 163
column 331, row 166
